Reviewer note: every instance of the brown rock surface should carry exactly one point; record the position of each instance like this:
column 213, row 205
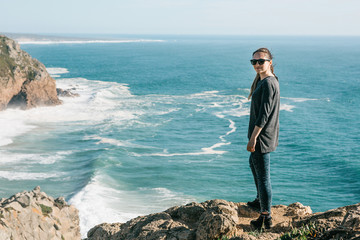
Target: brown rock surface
column 215, row 219
column 66, row 93
column 24, row 81
column 34, row 215
column 339, row 223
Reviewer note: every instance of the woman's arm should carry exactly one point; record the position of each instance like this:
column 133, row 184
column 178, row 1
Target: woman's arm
column 266, row 108
column 267, row 103
column 252, row 141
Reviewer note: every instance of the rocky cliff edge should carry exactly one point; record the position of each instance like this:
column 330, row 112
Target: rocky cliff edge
column 223, row 220
column 34, row 215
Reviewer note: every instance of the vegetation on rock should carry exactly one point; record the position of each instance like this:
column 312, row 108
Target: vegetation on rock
column 24, row 81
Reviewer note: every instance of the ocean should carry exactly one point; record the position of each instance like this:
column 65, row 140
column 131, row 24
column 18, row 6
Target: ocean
column 162, row 121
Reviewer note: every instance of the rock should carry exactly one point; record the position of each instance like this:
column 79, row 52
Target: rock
column 37, row 190
column 24, row 81
column 297, row 209
column 104, row 230
column 339, row 223
column 60, row 202
column 215, row 219
column 220, row 219
column 66, row 93
column 34, row 215
column 208, row 220
column 352, row 219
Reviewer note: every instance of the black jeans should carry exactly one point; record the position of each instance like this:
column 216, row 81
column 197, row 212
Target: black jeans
column 260, row 167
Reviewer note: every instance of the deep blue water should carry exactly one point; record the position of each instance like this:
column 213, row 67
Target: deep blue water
column 164, row 123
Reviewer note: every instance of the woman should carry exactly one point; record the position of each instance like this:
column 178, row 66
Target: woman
column 263, row 132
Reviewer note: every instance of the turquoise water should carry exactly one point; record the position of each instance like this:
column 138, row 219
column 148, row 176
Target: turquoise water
column 162, row 123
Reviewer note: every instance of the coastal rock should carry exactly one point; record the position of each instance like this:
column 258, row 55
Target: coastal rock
column 212, row 219
column 216, row 219
column 24, row 81
column 34, row 215
column 339, row 223
column 66, row 93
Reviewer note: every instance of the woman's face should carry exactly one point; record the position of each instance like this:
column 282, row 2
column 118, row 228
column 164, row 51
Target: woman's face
column 262, row 68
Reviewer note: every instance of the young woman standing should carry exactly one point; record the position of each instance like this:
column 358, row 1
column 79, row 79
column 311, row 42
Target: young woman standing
column 263, row 132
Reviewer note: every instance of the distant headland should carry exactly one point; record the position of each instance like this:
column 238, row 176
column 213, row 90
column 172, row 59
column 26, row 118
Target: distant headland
column 26, row 38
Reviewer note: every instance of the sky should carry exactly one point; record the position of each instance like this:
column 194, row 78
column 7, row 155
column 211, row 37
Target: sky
column 220, row 17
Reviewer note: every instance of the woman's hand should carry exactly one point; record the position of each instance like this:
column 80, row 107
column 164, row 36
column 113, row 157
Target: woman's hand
column 252, row 141
column 251, row 145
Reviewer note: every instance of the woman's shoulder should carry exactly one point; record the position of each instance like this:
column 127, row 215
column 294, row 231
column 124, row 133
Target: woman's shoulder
column 271, row 81
column 270, row 78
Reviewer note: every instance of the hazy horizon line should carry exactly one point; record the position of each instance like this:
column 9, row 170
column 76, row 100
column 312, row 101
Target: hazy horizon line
column 49, row 34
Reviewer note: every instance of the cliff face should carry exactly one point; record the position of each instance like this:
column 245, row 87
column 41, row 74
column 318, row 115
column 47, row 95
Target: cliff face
column 24, row 81
column 34, row 215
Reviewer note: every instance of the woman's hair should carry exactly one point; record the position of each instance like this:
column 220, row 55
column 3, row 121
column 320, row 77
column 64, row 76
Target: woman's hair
column 257, row 77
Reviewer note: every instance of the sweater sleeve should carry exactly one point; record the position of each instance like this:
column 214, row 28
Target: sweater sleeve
column 267, row 103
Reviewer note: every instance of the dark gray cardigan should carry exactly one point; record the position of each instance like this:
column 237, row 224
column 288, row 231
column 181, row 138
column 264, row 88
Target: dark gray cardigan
column 264, row 113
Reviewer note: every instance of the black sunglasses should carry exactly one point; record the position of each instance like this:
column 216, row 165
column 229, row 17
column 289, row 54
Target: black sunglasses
column 260, row 61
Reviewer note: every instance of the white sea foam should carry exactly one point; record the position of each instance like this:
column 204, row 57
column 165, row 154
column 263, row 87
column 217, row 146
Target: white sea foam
column 286, row 107
column 12, row 126
column 45, row 42
column 227, row 105
column 300, row 99
column 98, row 202
column 163, row 198
column 232, row 127
column 204, row 150
column 16, row 175
column 111, row 141
column 244, row 89
column 219, row 115
column 53, row 71
column 238, row 112
column 204, row 94
column 45, row 158
column 167, row 111
column 210, row 150
column 115, row 142
column 234, row 112
column 98, row 101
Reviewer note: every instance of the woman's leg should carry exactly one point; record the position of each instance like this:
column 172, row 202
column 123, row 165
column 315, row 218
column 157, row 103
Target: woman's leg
column 261, row 165
column 254, row 175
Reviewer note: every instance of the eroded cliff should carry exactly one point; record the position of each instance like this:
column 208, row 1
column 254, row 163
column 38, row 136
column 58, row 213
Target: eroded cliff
column 24, row 81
